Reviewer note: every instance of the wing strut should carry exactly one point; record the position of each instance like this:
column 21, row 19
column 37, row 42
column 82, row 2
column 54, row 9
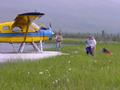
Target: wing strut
column 25, row 37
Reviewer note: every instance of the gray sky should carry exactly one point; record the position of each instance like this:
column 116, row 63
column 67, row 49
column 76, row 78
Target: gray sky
column 69, row 15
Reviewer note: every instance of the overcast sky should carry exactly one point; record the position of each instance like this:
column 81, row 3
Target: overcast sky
column 69, row 15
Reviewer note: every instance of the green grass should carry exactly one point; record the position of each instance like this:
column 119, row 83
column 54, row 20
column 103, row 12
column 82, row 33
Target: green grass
column 73, row 71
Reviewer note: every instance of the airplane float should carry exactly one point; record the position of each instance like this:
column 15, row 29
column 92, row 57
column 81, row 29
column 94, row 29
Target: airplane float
column 23, row 30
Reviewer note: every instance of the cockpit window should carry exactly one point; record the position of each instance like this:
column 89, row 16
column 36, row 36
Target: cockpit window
column 17, row 29
column 44, row 28
column 6, row 28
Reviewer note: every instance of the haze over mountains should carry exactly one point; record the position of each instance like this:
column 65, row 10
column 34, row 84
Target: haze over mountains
column 69, row 15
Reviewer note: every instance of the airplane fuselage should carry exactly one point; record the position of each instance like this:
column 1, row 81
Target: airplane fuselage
column 34, row 34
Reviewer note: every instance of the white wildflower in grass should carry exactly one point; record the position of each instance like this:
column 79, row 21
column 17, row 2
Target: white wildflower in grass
column 49, row 75
column 28, row 73
column 76, row 52
column 69, row 69
column 69, row 61
column 46, row 70
column 56, row 81
column 40, row 73
column 95, row 61
column 67, row 79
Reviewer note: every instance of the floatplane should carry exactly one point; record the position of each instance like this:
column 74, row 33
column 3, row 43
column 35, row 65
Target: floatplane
column 23, row 30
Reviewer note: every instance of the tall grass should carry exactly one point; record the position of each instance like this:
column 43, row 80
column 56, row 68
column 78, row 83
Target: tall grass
column 72, row 71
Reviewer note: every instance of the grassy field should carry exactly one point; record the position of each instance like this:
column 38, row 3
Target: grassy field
column 72, row 71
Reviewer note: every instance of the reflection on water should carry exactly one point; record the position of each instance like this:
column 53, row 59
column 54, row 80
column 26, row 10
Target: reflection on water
column 5, row 47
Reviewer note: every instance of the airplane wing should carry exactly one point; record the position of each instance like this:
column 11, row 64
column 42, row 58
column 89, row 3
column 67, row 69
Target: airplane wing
column 24, row 20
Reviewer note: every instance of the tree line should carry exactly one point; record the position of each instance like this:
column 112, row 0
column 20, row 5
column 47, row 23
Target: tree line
column 101, row 36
